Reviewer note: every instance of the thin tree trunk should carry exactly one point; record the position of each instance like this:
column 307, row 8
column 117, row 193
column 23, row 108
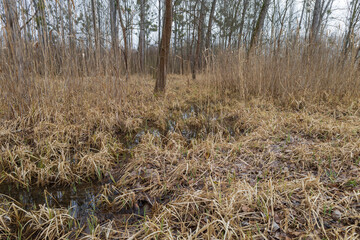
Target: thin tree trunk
column 174, row 62
column 123, row 28
column 72, row 56
column 25, row 18
column 159, row 23
column 302, row 15
column 232, row 27
column 353, row 20
column 71, row 30
column 100, row 33
column 14, row 43
column 96, row 34
column 200, row 37
column 62, row 27
column 20, row 83
column 62, row 30
column 87, row 29
column 142, row 36
column 246, row 4
column 197, row 60
column 45, row 35
column 113, row 28
column 164, row 50
column 211, row 17
column 316, row 20
column 259, row 24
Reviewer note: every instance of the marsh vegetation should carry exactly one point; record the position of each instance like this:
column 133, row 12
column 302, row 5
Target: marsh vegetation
column 252, row 131
column 195, row 163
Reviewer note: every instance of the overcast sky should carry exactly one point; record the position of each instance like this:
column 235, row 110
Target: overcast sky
column 340, row 13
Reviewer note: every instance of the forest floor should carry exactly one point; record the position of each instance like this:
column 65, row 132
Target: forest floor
column 193, row 164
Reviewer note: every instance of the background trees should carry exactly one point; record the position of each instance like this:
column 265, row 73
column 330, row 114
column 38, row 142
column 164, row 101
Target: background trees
column 13, row 36
column 57, row 34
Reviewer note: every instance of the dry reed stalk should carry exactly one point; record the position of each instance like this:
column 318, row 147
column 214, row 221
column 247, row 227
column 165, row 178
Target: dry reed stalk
column 208, row 163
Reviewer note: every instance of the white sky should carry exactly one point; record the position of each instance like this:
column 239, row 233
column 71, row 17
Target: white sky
column 339, row 13
column 336, row 24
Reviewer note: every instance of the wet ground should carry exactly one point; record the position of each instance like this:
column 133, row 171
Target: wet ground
column 81, row 200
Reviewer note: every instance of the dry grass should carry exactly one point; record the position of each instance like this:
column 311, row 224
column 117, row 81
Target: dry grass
column 293, row 73
column 198, row 163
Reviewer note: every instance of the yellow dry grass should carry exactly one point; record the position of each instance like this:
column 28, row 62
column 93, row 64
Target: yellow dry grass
column 200, row 163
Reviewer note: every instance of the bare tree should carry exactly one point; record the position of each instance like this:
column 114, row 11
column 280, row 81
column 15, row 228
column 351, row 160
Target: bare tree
column 43, row 33
column 96, row 34
column 245, row 7
column 211, row 17
column 234, row 12
column 321, row 8
column 259, row 24
column 141, row 47
column 124, row 32
column 316, row 21
column 72, row 64
column 159, row 22
column 71, row 29
column 199, row 42
column 113, row 27
column 13, row 36
column 164, row 49
column 352, row 22
column 41, row 21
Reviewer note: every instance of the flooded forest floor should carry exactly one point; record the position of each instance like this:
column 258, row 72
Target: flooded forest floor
column 193, row 164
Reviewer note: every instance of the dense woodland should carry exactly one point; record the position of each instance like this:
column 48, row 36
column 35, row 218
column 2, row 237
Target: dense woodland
column 171, row 119
column 122, row 37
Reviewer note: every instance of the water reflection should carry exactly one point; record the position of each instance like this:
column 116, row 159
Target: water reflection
column 80, row 200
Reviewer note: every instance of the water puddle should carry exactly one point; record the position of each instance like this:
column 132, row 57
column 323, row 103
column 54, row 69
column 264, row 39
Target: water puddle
column 192, row 112
column 136, row 139
column 80, row 200
column 210, row 126
column 178, row 122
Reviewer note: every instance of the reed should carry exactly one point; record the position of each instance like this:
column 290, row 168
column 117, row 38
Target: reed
column 259, row 147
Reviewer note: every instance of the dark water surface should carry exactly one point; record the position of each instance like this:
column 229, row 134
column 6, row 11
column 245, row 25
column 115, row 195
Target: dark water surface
column 80, row 200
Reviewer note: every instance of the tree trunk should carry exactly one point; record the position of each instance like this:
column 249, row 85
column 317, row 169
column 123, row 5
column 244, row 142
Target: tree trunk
column 211, row 17
column 87, row 28
column 164, row 49
column 200, row 38
column 14, row 43
column 234, row 17
column 27, row 35
column 42, row 32
column 352, row 22
column 302, row 14
column 113, row 27
column 45, row 35
column 100, row 33
column 316, row 20
column 243, row 14
column 259, row 25
column 141, row 47
column 72, row 63
column 197, row 59
column 96, row 34
column 43, row 21
column 174, row 62
column 62, row 27
column 71, row 30
column 123, row 28
column 159, row 22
